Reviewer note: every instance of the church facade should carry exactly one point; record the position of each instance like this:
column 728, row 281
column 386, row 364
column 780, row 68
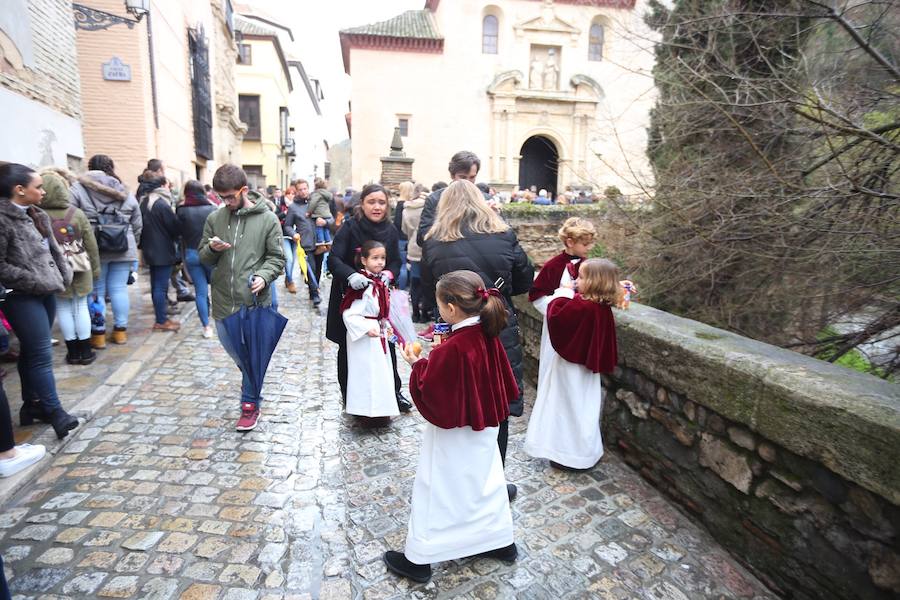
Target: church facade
column 553, row 94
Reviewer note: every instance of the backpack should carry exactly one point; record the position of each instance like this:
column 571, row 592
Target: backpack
column 111, row 231
column 71, row 241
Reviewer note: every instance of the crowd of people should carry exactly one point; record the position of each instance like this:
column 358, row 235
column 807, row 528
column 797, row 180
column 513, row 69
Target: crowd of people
column 67, row 244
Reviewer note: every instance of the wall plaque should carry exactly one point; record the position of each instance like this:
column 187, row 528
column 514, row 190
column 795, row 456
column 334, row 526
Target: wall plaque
column 116, row 70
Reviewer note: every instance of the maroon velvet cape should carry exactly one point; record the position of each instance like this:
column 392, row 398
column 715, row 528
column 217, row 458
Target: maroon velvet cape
column 466, row 381
column 548, row 278
column 583, row 332
column 384, row 303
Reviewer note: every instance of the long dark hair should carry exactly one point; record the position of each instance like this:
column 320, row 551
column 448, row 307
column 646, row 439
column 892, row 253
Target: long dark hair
column 369, row 189
column 11, row 175
column 466, row 291
column 101, row 162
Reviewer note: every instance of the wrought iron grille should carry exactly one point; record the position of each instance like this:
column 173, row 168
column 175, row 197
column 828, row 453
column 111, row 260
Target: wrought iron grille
column 200, row 92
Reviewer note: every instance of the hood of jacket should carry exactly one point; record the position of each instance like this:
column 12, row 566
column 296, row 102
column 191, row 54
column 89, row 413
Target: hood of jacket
column 105, row 187
column 56, row 184
column 160, row 193
column 260, row 205
column 414, row 204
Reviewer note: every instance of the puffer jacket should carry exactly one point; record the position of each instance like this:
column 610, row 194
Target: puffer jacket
column 160, row 229
column 56, row 204
column 96, row 192
column 26, row 265
column 493, row 256
column 412, row 213
column 256, row 249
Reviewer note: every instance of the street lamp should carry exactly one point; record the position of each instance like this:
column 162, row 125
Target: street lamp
column 92, row 19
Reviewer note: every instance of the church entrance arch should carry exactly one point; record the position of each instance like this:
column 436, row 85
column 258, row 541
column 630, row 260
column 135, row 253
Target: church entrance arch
column 539, row 165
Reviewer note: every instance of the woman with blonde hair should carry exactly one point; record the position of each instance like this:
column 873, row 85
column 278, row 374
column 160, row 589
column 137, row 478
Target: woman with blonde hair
column 468, row 235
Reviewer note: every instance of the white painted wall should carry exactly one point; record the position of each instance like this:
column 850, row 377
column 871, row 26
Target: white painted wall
column 36, row 135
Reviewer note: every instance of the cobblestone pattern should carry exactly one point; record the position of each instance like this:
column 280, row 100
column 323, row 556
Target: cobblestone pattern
column 160, row 498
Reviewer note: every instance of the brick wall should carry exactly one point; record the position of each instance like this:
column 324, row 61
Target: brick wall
column 54, row 79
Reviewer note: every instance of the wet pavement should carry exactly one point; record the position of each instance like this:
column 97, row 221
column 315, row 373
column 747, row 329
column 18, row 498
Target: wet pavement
column 157, row 496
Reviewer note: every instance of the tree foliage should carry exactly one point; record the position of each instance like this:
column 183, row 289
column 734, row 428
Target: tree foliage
column 775, row 143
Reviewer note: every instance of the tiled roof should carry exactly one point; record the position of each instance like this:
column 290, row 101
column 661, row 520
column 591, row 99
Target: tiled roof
column 248, row 27
column 416, row 24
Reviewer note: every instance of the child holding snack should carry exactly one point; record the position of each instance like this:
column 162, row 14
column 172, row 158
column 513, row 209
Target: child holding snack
column 581, row 335
column 370, row 389
column 460, row 505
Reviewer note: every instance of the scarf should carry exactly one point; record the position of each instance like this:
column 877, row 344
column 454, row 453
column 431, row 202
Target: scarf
column 35, row 215
column 194, row 199
column 379, row 289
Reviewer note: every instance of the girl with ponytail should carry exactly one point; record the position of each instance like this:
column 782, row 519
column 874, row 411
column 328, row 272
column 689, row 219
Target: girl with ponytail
column 460, row 505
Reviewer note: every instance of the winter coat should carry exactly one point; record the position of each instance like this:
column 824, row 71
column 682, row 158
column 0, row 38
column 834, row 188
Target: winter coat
column 26, row 266
column 398, row 219
column 412, row 213
column 256, row 249
column 341, row 264
column 320, row 205
column 95, row 191
column 191, row 219
column 296, row 221
column 55, row 204
column 160, row 233
column 492, row 256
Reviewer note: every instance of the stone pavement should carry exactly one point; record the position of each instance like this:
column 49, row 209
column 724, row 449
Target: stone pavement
column 159, row 497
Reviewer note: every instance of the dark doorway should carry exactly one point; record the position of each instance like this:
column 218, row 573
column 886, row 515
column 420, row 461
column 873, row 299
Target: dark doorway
column 539, row 165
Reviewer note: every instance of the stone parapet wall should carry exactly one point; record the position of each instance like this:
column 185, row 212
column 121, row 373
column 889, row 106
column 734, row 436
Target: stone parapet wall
column 792, row 463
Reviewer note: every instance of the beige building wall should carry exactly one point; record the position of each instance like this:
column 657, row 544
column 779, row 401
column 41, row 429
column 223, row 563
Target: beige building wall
column 119, row 115
column 600, row 133
column 40, row 97
column 265, row 78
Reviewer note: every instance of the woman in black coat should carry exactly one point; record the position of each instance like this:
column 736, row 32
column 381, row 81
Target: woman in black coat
column 370, row 221
column 468, row 235
column 159, row 248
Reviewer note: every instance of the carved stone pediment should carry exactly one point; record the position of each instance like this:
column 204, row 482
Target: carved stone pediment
column 547, row 23
column 507, row 81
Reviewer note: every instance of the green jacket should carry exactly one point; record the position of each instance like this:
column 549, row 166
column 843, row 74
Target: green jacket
column 256, row 249
column 55, row 204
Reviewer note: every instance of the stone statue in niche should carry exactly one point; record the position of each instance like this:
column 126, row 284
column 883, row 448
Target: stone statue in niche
column 551, row 71
column 537, row 73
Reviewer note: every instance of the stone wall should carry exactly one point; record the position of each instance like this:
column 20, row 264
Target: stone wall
column 790, row 462
column 537, row 227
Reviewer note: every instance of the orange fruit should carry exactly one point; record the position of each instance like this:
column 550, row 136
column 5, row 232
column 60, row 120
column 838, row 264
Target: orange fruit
column 417, row 348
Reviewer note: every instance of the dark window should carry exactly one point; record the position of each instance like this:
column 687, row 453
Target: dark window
column 245, row 56
column 595, row 48
column 255, row 177
column 403, row 124
column 200, row 94
column 248, row 108
column 489, row 32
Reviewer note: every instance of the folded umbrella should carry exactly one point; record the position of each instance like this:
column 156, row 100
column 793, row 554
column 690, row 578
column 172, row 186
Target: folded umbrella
column 304, row 266
column 254, row 332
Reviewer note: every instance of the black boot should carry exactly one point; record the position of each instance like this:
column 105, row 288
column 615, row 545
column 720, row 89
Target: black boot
column 73, row 354
column 31, row 412
column 506, row 554
column 416, row 315
column 403, row 405
column 62, row 422
column 398, row 563
column 86, row 353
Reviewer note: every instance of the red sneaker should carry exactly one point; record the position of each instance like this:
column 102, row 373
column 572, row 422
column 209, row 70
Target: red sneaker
column 249, row 417
column 428, row 334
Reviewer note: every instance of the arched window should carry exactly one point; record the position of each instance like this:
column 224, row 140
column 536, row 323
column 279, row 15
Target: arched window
column 489, row 32
column 595, row 45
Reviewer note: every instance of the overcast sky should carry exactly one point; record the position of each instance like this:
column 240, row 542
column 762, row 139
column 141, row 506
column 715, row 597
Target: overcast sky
column 315, row 24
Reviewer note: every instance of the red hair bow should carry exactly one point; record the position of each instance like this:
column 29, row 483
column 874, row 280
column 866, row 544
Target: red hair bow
column 486, row 293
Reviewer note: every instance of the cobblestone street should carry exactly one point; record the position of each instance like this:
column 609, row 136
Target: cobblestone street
column 158, row 497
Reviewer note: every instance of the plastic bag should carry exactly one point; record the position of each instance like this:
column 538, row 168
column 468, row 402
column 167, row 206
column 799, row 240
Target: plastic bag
column 95, row 309
column 401, row 317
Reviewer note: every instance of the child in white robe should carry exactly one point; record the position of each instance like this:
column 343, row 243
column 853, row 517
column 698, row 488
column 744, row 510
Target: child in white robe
column 370, row 384
column 460, row 506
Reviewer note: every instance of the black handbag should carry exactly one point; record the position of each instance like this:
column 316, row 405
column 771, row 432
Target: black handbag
column 111, row 231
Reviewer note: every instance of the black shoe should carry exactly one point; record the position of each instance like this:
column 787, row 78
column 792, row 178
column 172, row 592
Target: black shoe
column 85, row 352
column 62, row 423
column 316, row 300
column 31, row 412
column 398, row 563
column 561, row 467
column 512, row 491
column 73, row 352
column 416, row 316
column 506, row 554
column 403, row 404
column 189, row 297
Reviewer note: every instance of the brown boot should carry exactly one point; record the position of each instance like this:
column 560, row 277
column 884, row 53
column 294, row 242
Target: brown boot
column 98, row 340
column 291, row 287
column 119, row 336
column 169, row 325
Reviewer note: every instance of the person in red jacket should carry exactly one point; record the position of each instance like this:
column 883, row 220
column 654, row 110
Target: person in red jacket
column 460, row 505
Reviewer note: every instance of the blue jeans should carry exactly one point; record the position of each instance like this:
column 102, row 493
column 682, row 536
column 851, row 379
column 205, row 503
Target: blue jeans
column 114, row 280
column 4, row 588
column 311, row 283
column 159, row 287
column 290, row 258
column 229, row 346
column 31, row 318
column 74, row 318
column 403, row 275
column 201, row 275
column 323, row 235
column 415, row 285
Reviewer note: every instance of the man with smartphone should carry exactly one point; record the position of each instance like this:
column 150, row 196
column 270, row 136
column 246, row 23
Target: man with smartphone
column 242, row 243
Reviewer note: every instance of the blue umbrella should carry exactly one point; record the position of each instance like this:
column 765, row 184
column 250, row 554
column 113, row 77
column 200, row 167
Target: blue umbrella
column 254, row 332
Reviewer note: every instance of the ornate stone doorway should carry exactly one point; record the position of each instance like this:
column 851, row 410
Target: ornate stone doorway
column 539, row 165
